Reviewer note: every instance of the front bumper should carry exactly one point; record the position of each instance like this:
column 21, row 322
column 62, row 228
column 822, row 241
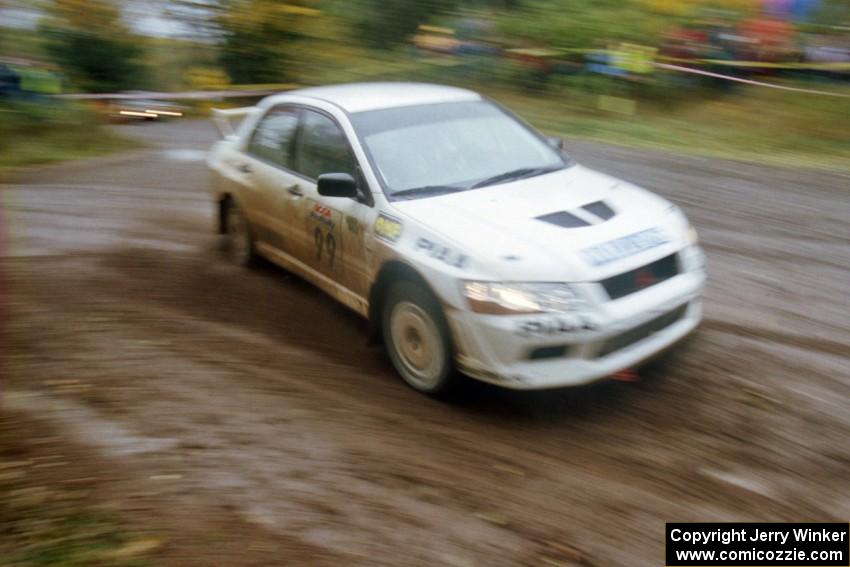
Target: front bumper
column 529, row 352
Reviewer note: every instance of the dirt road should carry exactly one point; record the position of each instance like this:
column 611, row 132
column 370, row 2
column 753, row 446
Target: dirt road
column 245, row 416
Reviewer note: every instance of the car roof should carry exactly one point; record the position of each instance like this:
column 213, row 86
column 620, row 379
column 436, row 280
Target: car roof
column 360, row 97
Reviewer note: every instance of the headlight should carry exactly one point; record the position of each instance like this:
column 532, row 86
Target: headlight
column 515, row 298
column 691, row 234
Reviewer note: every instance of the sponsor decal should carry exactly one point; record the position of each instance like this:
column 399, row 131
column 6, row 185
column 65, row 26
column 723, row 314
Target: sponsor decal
column 553, row 326
column 387, row 228
column 620, row 248
column 353, row 225
column 440, row 252
column 322, row 214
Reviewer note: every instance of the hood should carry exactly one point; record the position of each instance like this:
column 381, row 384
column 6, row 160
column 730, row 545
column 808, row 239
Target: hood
column 536, row 229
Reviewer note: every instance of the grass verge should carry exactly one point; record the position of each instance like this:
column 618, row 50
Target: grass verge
column 752, row 124
column 49, row 130
column 746, row 123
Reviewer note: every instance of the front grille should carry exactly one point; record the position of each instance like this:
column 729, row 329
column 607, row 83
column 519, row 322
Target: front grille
column 629, row 282
column 630, row 337
column 542, row 353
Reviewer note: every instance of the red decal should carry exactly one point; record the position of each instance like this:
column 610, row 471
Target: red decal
column 323, row 211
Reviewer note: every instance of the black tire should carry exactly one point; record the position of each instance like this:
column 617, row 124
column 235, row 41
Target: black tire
column 240, row 240
column 417, row 338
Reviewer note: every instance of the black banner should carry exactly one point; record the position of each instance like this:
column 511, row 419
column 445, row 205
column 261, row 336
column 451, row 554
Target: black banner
column 758, row 545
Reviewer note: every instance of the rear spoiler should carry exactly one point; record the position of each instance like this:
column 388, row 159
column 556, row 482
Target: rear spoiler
column 224, row 117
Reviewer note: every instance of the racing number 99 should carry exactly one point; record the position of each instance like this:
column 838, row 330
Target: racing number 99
column 325, row 246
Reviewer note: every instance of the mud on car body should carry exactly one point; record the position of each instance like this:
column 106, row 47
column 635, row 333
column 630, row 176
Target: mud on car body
column 470, row 241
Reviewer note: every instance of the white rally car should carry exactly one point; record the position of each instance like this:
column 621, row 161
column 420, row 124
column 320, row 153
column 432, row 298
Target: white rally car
column 471, row 242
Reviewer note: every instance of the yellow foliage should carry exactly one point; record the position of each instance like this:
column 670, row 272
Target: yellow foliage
column 302, row 10
column 687, row 7
column 271, row 15
column 205, row 79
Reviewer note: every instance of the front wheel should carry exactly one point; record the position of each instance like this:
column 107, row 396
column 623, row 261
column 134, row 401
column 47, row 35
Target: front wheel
column 417, row 338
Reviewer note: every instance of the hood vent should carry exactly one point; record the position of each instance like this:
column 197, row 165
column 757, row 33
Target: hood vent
column 590, row 214
column 600, row 209
column 564, row 219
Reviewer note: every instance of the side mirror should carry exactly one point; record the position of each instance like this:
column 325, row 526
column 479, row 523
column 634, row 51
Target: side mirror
column 337, row 185
column 556, row 142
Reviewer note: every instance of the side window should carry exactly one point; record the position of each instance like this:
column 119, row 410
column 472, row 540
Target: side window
column 273, row 136
column 323, row 147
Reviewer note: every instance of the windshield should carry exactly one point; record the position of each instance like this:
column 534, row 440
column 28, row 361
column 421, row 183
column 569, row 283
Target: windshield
column 438, row 148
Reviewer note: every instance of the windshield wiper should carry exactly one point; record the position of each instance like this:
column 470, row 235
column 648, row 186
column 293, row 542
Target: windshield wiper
column 429, row 190
column 514, row 174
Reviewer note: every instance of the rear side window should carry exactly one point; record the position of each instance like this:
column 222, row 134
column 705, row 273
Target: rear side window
column 272, row 139
column 323, row 147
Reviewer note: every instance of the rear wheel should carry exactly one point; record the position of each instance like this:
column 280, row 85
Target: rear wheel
column 240, row 242
column 417, row 338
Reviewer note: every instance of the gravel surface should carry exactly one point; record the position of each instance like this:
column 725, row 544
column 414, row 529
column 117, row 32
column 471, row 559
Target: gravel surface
column 251, row 412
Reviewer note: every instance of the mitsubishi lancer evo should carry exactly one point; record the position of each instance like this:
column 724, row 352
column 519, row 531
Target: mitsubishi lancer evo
column 472, row 243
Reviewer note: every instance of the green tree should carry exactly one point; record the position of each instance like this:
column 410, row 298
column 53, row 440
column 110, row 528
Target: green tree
column 256, row 38
column 832, row 13
column 88, row 40
column 385, row 23
column 582, row 23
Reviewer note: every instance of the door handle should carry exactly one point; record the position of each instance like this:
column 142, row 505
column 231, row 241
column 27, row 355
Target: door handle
column 244, row 168
column 295, row 190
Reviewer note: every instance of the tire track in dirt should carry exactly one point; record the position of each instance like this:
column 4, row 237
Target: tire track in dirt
column 285, row 422
column 191, row 336
column 809, row 343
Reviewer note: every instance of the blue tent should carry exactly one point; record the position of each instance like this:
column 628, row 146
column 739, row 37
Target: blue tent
column 797, row 10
